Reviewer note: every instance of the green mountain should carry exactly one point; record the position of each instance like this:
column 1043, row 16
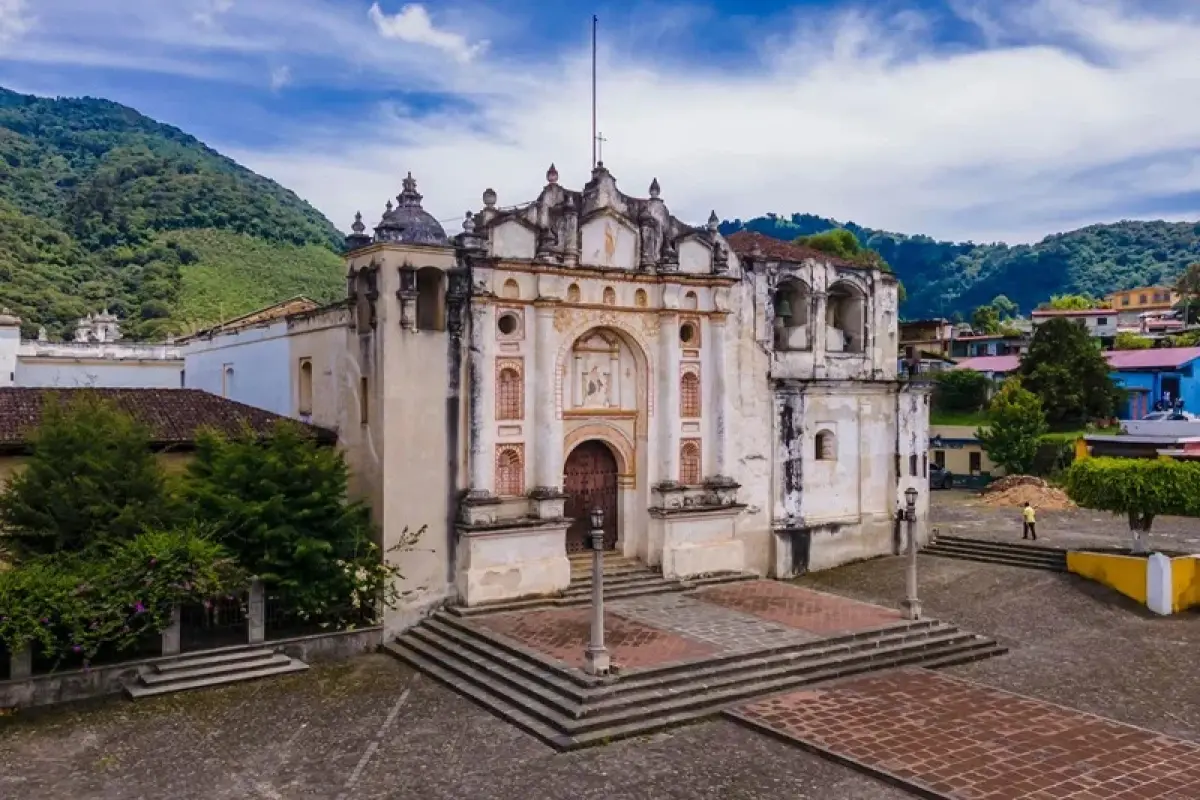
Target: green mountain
column 944, row 278
column 101, row 206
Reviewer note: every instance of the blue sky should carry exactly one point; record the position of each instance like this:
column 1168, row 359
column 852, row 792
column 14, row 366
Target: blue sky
column 965, row 119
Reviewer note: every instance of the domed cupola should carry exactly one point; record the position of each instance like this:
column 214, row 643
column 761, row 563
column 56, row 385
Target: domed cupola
column 407, row 222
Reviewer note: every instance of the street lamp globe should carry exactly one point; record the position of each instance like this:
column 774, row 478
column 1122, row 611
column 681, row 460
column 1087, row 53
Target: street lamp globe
column 597, row 518
column 910, row 497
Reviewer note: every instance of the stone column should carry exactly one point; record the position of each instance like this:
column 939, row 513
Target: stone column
column 481, row 404
column 817, row 327
column 667, row 408
column 548, row 426
column 171, row 635
column 257, row 612
column 614, row 380
column 576, row 384
column 719, row 402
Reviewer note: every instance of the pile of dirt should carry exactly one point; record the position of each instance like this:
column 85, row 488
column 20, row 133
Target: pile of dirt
column 1017, row 490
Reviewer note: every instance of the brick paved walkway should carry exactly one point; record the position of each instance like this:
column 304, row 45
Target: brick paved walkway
column 657, row 630
column 563, row 634
column 951, row 738
column 815, row 612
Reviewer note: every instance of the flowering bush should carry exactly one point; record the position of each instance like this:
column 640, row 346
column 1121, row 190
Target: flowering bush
column 68, row 605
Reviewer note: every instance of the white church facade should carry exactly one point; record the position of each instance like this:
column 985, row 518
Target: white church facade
column 732, row 405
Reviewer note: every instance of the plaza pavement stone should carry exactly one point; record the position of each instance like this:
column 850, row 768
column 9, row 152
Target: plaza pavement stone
column 563, row 634
column 804, row 609
column 950, row 738
column 726, row 629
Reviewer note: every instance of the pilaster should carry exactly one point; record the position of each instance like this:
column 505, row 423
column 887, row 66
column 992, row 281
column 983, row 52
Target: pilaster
column 668, row 407
column 547, row 425
column 481, row 428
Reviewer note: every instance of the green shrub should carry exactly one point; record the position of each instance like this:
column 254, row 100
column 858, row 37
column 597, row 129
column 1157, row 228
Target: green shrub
column 960, row 390
column 91, row 482
column 1015, row 424
column 71, row 605
column 1140, row 489
column 280, row 505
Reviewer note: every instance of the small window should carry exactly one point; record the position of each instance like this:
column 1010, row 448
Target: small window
column 510, row 395
column 1102, row 320
column 1125, row 300
column 689, row 395
column 510, row 471
column 826, row 446
column 507, row 324
column 364, row 405
column 924, row 465
column 1142, row 299
column 689, row 462
column 939, row 458
column 305, row 405
column 912, row 465
column 975, row 462
column 430, row 300
column 610, row 296
column 226, row 380
column 687, row 333
column 182, row 378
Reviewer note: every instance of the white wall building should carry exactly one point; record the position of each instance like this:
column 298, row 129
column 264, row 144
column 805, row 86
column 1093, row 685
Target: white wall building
column 1099, row 322
column 730, row 405
column 91, row 362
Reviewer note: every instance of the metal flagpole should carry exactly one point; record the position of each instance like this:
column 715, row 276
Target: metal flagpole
column 595, row 22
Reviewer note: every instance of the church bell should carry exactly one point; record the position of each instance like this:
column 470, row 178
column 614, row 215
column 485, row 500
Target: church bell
column 783, row 309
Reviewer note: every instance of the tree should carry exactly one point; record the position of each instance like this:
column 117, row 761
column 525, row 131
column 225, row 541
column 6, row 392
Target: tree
column 1015, row 422
column 1071, row 302
column 1006, row 308
column 1066, row 369
column 1140, row 489
column 985, row 319
column 842, row 243
column 279, row 505
column 961, row 390
column 1131, row 341
column 90, row 483
column 1188, row 287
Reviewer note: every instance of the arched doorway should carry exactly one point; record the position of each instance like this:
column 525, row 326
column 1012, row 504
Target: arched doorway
column 590, row 481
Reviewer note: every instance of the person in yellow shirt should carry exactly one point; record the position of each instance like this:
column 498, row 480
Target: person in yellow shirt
column 1029, row 527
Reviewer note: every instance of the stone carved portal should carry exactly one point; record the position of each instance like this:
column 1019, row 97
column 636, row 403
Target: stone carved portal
column 602, row 373
column 590, row 481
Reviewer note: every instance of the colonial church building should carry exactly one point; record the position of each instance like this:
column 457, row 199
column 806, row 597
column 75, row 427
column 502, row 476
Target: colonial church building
column 731, row 404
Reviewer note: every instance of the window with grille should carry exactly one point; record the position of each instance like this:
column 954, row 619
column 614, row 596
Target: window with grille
column 510, row 397
column 510, row 472
column 689, row 463
column 689, row 395
column 826, row 446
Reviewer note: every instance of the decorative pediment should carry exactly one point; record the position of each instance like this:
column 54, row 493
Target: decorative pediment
column 695, row 255
column 608, row 240
column 514, row 238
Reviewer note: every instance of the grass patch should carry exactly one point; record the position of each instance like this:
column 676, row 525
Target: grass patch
column 236, row 274
column 972, row 418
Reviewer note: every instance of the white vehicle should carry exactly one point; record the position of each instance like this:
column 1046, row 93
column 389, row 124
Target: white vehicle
column 1174, row 416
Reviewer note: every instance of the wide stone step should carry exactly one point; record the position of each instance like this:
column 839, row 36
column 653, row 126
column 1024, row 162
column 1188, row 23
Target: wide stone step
column 241, row 654
column 1025, row 562
column 579, row 596
column 567, row 725
column 1021, row 547
column 613, row 573
column 269, row 659
column 1032, row 555
column 139, row 690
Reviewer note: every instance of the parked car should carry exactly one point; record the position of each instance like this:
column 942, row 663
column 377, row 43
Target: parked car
column 940, row 477
column 1170, row 415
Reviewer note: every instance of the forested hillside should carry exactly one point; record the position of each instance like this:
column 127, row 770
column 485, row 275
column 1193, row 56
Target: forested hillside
column 102, row 206
column 943, row 278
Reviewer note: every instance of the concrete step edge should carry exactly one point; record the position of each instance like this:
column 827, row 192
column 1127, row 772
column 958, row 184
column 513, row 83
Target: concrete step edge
column 1015, row 556
column 137, row 691
column 1002, row 561
column 999, row 544
column 163, row 678
column 188, row 662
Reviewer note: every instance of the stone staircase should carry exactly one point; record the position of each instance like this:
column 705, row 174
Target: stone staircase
column 1013, row 554
column 623, row 578
column 212, row 668
column 569, row 709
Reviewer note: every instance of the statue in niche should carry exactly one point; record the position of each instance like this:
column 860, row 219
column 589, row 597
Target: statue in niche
column 651, row 241
column 595, row 387
column 610, row 243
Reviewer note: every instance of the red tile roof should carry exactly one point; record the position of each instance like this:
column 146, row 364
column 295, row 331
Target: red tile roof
column 174, row 416
column 743, row 243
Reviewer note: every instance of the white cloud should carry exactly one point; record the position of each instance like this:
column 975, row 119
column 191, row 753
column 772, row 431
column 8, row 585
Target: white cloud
column 211, row 10
column 280, row 77
column 15, row 20
column 413, row 25
column 1010, row 142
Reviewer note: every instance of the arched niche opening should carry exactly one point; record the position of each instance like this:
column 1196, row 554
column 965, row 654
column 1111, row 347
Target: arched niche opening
column 792, row 301
column 431, row 299
column 845, row 319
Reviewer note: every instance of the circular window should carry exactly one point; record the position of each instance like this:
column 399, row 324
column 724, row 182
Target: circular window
column 687, row 333
column 507, row 324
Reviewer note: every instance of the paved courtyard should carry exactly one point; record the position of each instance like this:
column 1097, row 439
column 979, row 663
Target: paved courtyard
column 372, row 728
column 670, row 629
column 959, row 739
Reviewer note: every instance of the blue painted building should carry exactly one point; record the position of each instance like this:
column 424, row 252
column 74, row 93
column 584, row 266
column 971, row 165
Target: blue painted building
column 1163, row 373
